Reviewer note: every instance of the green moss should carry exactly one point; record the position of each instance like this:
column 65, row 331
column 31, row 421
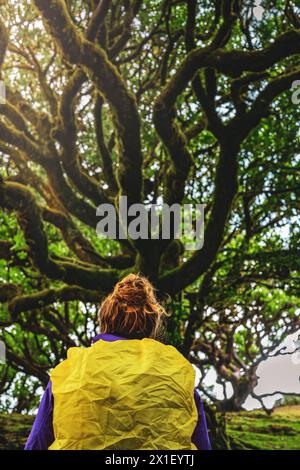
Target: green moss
column 14, row 431
column 275, row 432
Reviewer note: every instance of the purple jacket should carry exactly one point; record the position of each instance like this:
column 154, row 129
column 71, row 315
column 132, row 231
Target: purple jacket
column 42, row 435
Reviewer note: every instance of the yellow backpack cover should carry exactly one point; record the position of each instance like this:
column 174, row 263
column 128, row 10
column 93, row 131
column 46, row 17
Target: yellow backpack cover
column 124, row 395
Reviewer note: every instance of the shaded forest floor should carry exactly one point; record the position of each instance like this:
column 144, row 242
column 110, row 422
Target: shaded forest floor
column 280, row 431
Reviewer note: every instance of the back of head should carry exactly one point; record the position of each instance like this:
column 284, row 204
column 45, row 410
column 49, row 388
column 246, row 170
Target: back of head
column 132, row 310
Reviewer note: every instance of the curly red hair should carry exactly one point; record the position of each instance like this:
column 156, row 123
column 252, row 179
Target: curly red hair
column 132, row 310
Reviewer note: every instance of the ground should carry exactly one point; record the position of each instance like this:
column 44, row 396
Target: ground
column 280, row 431
column 14, row 430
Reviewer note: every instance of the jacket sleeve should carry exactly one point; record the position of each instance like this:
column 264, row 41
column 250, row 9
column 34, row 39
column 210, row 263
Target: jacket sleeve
column 200, row 436
column 41, row 435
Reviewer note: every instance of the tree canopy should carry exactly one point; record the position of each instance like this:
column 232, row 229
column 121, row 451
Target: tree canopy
column 160, row 100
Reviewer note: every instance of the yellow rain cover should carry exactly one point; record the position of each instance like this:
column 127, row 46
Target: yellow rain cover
column 124, row 395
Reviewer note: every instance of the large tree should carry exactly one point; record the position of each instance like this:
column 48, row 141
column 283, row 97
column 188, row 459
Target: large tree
column 161, row 100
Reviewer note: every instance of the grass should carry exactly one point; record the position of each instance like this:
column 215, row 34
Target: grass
column 280, row 431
